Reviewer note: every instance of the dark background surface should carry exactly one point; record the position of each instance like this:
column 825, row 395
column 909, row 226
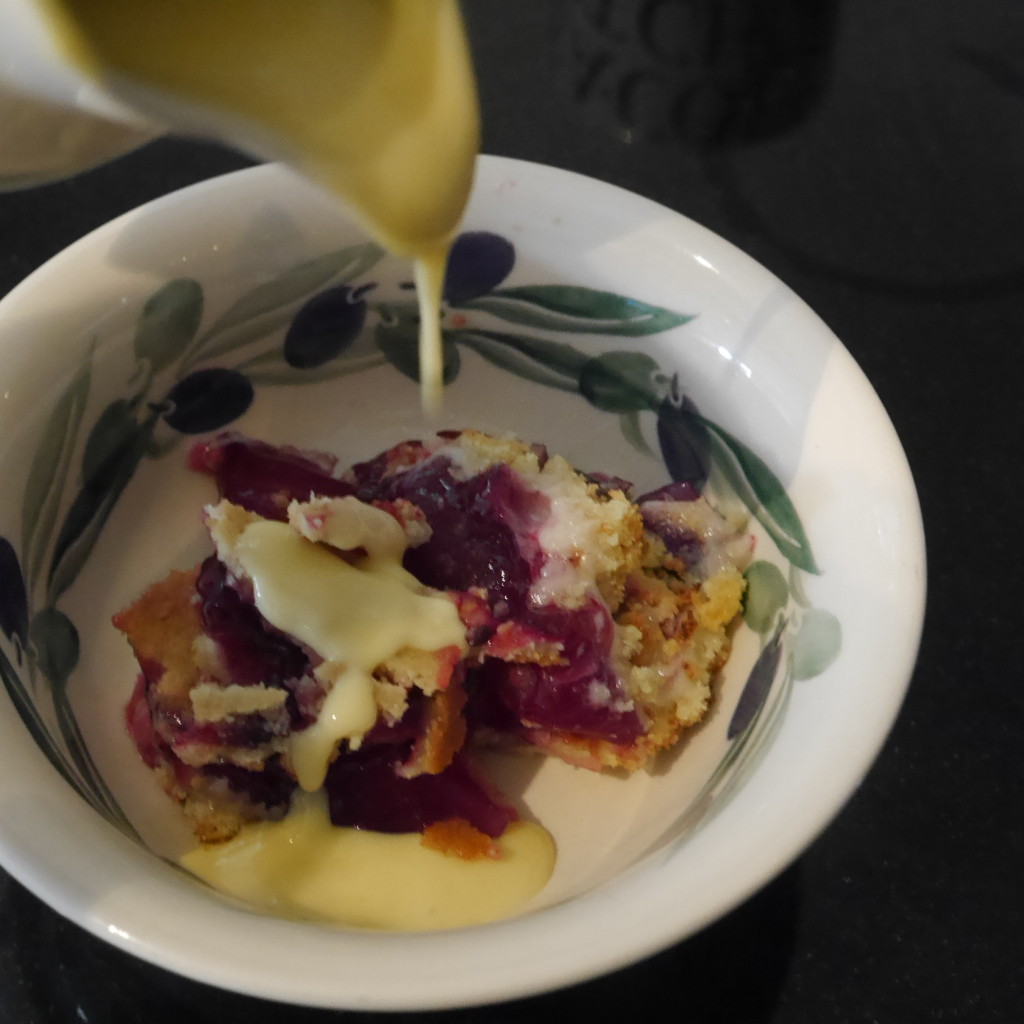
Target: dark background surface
column 871, row 154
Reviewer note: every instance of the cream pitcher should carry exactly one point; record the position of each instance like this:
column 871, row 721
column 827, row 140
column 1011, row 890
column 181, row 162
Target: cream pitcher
column 54, row 121
column 374, row 100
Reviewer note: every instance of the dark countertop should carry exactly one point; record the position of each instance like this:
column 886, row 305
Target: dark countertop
column 871, row 154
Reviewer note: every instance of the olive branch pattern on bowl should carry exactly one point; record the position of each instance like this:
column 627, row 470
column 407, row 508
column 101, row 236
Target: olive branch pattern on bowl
column 325, row 319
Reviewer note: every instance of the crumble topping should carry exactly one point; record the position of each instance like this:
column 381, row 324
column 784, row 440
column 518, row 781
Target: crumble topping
column 367, row 630
column 212, row 702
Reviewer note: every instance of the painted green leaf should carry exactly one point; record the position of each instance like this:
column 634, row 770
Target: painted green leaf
column 556, row 356
column 763, row 494
column 767, row 594
column 632, row 431
column 96, row 791
column 620, row 382
column 513, row 361
column 93, row 504
column 271, row 368
column 84, row 779
column 55, row 641
column 817, row 643
column 758, row 686
column 300, row 281
column 114, row 429
column 48, row 473
column 29, row 715
column 168, row 322
column 239, row 335
column 559, row 307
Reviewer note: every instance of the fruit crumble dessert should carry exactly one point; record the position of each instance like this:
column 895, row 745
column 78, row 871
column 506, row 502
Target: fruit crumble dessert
column 363, row 632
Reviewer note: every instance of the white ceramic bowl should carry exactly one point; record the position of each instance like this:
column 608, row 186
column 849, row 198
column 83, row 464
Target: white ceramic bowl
column 97, row 503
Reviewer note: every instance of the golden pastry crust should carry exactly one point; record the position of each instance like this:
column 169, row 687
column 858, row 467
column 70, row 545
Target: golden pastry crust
column 161, row 626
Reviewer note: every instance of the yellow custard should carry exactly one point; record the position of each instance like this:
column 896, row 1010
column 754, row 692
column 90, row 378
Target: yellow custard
column 355, row 613
column 353, row 616
column 374, row 99
column 306, row 868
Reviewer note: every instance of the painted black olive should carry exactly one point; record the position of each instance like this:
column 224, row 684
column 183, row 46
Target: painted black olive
column 13, row 599
column 324, row 328
column 684, row 442
column 207, row 400
column 478, row 262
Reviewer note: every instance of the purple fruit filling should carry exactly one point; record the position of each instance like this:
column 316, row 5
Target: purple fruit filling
column 265, row 479
column 245, row 732
column 364, row 790
column 583, row 696
column 272, row 787
column 607, row 483
column 484, row 530
column 679, row 540
column 484, row 534
column 679, row 490
column 252, row 652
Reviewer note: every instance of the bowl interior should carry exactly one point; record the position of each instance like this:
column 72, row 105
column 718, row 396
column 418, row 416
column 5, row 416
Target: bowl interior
column 575, row 313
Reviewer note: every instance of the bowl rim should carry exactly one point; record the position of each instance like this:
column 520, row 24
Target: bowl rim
column 121, row 921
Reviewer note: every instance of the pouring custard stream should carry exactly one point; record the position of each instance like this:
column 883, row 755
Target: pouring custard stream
column 373, row 99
